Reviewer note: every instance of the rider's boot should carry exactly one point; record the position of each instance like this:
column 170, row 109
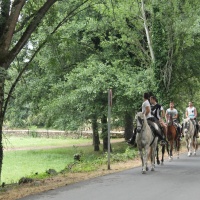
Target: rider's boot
column 197, row 131
column 131, row 141
column 162, row 139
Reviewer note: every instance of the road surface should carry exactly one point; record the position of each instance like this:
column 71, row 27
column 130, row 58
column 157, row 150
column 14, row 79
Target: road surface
column 176, row 180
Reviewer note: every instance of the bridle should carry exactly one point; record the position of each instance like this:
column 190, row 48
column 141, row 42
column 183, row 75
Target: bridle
column 187, row 125
column 170, row 120
column 140, row 127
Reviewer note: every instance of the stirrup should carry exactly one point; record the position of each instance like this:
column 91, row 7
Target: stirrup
column 163, row 142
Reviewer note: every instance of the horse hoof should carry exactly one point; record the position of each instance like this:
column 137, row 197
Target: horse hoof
column 194, row 153
column 189, row 154
column 158, row 162
column 143, row 172
column 147, row 169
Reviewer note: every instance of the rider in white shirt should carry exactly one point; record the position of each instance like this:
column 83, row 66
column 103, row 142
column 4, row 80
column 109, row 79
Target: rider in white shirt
column 146, row 109
column 191, row 112
column 171, row 111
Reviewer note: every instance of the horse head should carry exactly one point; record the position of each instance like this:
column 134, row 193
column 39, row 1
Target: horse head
column 140, row 118
column 170, row 120
column 186, row 125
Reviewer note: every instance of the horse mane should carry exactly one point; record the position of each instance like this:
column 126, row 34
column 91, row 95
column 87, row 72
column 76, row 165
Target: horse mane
column 142, row 115
column 187, row 120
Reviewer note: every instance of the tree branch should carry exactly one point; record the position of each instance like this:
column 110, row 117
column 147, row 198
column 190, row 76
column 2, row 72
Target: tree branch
column 29, row 30
column 147, row 32
column 11, row 23
column 71, row 14
column 5, row 8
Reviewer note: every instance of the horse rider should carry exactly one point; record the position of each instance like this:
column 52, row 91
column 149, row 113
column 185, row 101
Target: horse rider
column 171, row 111
column 158, row 113
column 146, row 109
column 191, row 112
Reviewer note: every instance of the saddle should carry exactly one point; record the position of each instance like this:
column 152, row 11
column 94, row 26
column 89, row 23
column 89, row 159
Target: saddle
column 151, row 122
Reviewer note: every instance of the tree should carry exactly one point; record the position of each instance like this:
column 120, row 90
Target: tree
column 107, row 51
column 19, row 19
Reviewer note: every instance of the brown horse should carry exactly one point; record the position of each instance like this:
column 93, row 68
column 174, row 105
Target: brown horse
column 172, row 137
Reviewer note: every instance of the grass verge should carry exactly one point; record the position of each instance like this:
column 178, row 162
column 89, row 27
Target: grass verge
column 20, row 142
column 35, row 163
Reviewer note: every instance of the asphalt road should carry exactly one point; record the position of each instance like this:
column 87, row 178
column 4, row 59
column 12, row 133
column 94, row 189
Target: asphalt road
column 176, row 180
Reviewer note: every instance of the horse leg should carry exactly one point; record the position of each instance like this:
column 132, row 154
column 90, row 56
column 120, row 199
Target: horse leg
column 187, row 146
column 153, row 155
column 195, row 145
column 142, row 159
column 157, row 155
column 190, row 147
column 146, row 150
column 177, row 147
column 163, row 153
column 167, row 146
column 171, row 149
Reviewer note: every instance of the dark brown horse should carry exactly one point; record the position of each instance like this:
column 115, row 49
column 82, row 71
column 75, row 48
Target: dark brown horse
column 163, row 147
column 172, row 137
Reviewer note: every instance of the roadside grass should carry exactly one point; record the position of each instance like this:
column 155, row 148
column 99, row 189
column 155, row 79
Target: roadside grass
column 35, row 163
column 17, row 142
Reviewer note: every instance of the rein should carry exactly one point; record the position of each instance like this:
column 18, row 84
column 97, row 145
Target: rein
column 154, row 137
column 141, row 121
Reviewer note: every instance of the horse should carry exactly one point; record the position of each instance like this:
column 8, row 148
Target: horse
column 189, row 134
column 172, row 137
column 146, row 142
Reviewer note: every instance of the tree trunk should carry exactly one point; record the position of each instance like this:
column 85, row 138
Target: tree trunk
column 105, row 133
column 2, row 81
column 147, row 31
column 128, row 123
column 96, row 140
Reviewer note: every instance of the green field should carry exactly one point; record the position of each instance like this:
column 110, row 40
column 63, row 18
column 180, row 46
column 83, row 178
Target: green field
column 18, row 142
column 21, row 163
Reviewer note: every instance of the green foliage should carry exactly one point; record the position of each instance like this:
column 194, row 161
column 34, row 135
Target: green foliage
column 104, row 46
column 33, row 131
